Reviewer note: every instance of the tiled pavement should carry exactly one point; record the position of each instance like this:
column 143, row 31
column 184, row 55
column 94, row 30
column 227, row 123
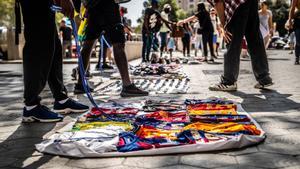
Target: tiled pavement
column 277, row 110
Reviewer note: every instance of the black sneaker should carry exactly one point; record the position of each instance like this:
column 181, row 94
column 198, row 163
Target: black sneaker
column 133, row 91
column 297, row 62
column 70, row 106
column 78, row 89
column 40, row 114
column 107, row 67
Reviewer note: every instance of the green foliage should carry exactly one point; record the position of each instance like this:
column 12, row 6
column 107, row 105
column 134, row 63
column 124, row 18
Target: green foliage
column 7, row 12
column 280, row 10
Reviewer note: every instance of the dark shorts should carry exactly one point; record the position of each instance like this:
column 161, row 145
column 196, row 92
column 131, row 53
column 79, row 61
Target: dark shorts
column 105, row 17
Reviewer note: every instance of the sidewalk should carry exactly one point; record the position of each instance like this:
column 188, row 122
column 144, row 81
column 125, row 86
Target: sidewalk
column 276, row 110
column 65, row 61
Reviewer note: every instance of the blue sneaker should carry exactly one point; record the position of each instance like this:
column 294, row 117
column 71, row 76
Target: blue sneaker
column 70, row 106
column 41, row 114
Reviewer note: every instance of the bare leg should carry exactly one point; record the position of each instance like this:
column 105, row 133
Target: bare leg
column 121, row 62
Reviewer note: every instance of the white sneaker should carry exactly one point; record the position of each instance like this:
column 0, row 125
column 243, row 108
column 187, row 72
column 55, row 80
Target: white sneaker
column 263, row 86
column 223, row 87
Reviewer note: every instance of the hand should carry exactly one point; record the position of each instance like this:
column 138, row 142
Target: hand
column 67, row 7
column 289, row 24
column 227, row 35
column 180, row 23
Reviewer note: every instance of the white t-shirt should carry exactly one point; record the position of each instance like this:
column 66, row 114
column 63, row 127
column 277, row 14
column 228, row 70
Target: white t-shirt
column 215, row 21
column 165, row 16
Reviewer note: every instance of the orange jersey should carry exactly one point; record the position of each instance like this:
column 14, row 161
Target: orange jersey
column 151, row 132
column 212, row 112
column 225, row 128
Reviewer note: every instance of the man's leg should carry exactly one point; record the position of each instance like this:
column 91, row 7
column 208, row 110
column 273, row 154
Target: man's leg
column 256, row 46
column 149, row 43
column 55, row 78
column 236, row 27
column 70, row 49
column 211, row 45
column 38, row 52
column 144, row 48
column 121, row 62
column 64, row 49
column 204, row 40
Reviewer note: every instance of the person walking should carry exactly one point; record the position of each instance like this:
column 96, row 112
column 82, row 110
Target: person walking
column 42, row 61
column 293, row 23
column 241, row 19
column 266, row 22
column 198, row 39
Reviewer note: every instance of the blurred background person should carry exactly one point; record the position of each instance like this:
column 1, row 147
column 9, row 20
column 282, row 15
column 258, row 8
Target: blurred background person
column 186, row 39
column 266, row 22
column 164, row 30
column 66, row 36
column 215, row 21
column 293, row 23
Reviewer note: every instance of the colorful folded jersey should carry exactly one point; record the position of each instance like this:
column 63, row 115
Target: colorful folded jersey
column 219, row 118
column 152, row 132
column 167, row 116
column 229, row 128
column 93, row 125
column 172, row 105
column 220, row 101
column 198, row 136
column 130, row 142
column 212, row 112
column 209, row 106
column 113, row 114
column 157, row 124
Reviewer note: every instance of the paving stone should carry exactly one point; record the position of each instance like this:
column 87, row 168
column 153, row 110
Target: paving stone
column 6, row 161
column 42, row 162
column 293, row 167
column 151, row 162
column 236, row 152
column 285, row 139
column 123, row 167
column 20, row 152
column 267, row 160
column 208, row 160
column 280, row 148
column 179, row 167
column 240, row 167
column 95, row 163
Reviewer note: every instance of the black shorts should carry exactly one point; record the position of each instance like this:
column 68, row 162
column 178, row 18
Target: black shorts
column 105, row 16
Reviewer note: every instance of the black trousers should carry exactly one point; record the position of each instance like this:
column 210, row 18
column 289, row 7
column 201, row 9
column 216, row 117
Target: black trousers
column 186, row 42
column 245, row 22
column 207, row 38
column 42, row 53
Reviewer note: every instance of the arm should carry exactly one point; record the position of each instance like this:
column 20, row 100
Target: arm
column 221, row 12
column 192, row 18
column 271, row 23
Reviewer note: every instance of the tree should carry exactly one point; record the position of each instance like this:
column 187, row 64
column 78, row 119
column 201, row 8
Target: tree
column 7, row 13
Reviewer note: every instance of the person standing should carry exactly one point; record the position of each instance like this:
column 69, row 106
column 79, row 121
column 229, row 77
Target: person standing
column 241, row 19
column 164, row 30
column 104, row 17
column 294, row 23
column 186, row 39
column 42, row 61
column 215, row 22
column 266, row 22
column 198, row 39
column 66, row 36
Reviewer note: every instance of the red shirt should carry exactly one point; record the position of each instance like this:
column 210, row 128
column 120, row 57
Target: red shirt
column 230, row 7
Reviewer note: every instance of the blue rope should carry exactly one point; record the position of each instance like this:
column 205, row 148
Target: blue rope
column 103, row 42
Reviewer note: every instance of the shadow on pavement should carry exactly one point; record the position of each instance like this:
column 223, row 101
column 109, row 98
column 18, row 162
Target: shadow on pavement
column 19, row 146
column 267, row 101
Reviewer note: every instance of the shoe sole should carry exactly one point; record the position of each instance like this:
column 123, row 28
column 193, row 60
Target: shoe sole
column 32, row 119
column 265, row 86
column 134, row 95
column 222, row 90
column 68, row 111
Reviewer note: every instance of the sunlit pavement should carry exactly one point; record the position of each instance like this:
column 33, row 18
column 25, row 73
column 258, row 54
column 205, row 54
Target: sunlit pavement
column 277, row 110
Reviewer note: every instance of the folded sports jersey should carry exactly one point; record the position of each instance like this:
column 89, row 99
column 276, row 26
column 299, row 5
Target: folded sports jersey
column 93, row 125
column 210, row 106
column 152, row 132
column 224, row 128
column 208, row 101
column 130, row 142
column 212, row 112
column 172, row 105
column 166, row 116
column 219, row 118
column 198, row 136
